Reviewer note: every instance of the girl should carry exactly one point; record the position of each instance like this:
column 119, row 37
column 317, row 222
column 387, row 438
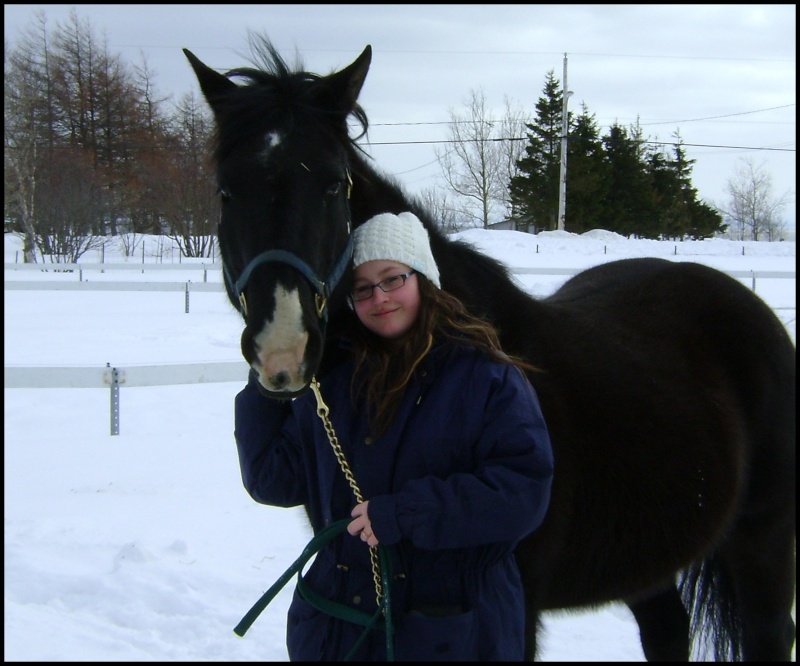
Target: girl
column 446, row 441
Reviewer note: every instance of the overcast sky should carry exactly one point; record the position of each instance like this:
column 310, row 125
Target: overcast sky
column 723, row 75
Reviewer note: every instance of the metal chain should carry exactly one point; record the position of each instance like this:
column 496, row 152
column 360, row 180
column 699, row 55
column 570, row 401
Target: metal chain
column 323, row 411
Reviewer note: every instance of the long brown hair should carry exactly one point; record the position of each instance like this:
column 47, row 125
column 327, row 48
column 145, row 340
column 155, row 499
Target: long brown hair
column 383, row 368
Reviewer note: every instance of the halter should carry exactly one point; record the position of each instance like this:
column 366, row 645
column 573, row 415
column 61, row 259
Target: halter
column 322, row 289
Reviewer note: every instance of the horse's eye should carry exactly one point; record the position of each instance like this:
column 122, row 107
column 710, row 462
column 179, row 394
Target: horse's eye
column 333, row 190
column 224, row 193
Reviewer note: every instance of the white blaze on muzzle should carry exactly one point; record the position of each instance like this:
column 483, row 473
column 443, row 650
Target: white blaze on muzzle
column 281, row 344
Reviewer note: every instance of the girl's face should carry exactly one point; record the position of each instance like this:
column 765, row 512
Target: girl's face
column 391, row 314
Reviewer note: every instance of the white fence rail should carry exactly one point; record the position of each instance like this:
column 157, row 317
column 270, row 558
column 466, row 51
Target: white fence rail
column 78, row 270
column 205, row 286
column 116, row 378
column 54, row 285
column 171, row 374
column 136, row 375
column 751, row 275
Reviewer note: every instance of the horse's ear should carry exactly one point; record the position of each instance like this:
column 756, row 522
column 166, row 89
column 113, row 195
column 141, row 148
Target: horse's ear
column 348, row 82
column 213, row 84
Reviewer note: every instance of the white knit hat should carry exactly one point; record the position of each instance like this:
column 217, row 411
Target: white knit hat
column 396, row 238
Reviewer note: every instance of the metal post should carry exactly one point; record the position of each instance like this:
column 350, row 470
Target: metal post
column 562, row 178
column 114, row 400
column 186, row 308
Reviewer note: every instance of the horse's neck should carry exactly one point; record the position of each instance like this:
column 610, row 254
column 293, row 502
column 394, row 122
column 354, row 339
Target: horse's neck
column 374, row 193
column 471, row 276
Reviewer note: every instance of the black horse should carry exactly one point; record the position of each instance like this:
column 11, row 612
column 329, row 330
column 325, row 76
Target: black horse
column 668, row 388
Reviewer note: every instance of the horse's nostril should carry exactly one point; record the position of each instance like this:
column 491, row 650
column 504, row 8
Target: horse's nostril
column 279, row 380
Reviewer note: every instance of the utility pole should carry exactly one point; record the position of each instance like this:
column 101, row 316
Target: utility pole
column 562, row 178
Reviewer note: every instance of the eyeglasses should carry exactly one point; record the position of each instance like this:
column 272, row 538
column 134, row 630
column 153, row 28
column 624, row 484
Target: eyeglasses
column 386, row 285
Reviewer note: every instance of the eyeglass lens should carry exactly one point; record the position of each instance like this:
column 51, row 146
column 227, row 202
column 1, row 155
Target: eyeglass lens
column 386, row 285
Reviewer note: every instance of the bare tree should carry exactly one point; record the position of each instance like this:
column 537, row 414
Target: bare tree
column 68, row 203
column 752, row 210
column 482, row 158
column 472, row 164
column 68, row 103
column 187, row 196
column 19, row 172
column 149, row 101
column 446, row 214
column 129, row 241
column 27, row 125
column 513, row 132
column 152, row 149
column 101, row 112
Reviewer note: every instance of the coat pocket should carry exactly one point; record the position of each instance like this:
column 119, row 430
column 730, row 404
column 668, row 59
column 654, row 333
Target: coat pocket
column 421, row 637
column 306, row 631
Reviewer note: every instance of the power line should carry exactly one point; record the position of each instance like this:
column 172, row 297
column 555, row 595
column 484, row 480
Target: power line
column 471, row 52
column 710, row 145
column 654, row 143
column 664, row 122
column 727, row 115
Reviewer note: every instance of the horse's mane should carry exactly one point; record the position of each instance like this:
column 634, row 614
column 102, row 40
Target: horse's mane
column 275, row 94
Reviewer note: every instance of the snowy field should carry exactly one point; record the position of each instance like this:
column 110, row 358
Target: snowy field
column 144, row 546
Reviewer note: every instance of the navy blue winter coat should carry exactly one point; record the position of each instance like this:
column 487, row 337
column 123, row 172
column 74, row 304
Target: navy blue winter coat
column 459, row 478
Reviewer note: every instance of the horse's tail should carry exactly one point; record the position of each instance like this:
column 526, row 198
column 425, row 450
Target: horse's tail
column 708, row 596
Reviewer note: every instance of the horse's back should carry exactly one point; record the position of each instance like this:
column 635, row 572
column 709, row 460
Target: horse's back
column 683, row 380
column 683, row 301
column 710, row 332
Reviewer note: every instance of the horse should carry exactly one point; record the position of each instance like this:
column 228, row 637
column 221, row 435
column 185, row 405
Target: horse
column 668, row 387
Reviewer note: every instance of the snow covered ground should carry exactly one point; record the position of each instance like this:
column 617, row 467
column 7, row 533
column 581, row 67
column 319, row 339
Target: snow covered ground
column 144, row 546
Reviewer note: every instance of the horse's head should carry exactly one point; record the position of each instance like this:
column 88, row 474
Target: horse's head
column 284, row 181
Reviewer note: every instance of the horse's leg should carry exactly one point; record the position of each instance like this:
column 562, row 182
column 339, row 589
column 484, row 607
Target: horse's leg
column 763, row 568
column 663, row 626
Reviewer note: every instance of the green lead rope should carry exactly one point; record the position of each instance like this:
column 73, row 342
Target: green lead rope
column 381, row 618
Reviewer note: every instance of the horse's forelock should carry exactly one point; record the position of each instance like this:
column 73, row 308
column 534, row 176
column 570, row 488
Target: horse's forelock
column 271, row 84
column 267, row 103
column 267, row 58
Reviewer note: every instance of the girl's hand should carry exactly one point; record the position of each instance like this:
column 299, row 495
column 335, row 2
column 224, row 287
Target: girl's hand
column 361, row 525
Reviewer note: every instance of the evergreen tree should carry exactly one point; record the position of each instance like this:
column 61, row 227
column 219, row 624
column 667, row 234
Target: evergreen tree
column 702, row 221
column 706, row 221
column 614, row 182
column 679, row 213
column 534, row 191
column 665, row 190
column 629, row 207
column 587, row 174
